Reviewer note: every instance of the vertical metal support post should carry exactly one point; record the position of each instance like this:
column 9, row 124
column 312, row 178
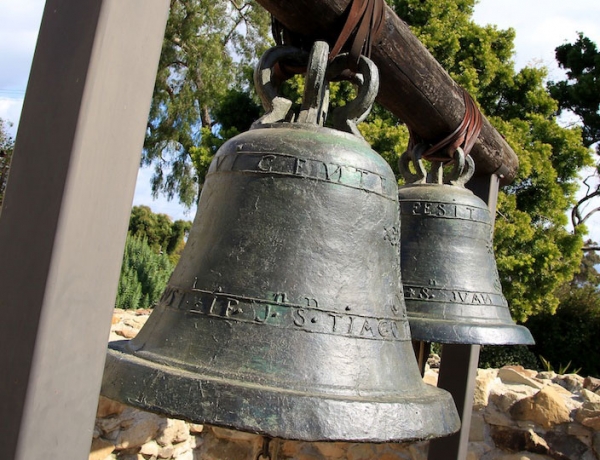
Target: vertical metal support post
column 64, row 218
column 422, row 350
column 458, row 367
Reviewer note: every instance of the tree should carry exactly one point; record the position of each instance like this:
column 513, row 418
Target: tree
column 205, row 58
column 161, row 234
column 580, row 94
column 144, row 275
column 565, row 337
column 6, row 150
column 535, row 254
column 152, row 250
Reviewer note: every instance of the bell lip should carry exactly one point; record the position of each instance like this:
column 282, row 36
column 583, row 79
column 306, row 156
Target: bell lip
column 146, row 385
column 468, row 333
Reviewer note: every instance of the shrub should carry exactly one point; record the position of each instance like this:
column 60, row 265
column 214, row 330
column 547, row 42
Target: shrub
column 144, row 275
column 496, row 356
column 571, row 334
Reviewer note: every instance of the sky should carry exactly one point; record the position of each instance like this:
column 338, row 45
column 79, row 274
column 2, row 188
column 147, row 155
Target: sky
column 540, row 25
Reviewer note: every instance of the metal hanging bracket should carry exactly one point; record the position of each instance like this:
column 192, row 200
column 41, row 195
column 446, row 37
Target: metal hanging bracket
column 319, row 72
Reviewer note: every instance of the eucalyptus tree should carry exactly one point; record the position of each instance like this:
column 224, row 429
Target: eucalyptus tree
column 208, row 48
column 535, row 253
column 6, row 149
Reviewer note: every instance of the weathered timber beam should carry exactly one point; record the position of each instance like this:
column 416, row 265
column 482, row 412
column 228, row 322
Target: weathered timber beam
column 414, row 86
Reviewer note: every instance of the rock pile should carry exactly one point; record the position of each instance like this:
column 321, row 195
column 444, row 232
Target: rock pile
column 518, row 414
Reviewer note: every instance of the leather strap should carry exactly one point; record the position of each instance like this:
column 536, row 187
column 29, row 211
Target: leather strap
column 465, row 135
column 362, row 27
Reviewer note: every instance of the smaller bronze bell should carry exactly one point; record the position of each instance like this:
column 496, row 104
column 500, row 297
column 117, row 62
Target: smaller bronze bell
column 451, row 284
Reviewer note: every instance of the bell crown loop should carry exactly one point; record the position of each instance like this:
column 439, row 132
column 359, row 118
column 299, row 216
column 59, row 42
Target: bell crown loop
column 319, row 72
column 462, row 171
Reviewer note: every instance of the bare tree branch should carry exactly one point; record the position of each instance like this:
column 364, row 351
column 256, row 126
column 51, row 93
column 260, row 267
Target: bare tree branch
column 578, row 215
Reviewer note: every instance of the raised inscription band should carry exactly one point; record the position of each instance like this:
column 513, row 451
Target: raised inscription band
column 288, row 165
column 281, row 314
column 433, row 294
column 445, row 211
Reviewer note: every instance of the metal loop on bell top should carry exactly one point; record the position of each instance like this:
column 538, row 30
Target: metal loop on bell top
column 414, row 156
column 276, row 107
column 462, row 171
column 319, row 72
column 347, row 117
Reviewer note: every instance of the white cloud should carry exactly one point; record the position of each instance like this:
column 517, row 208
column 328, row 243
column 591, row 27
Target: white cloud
column 10, row 110
column 540, row 28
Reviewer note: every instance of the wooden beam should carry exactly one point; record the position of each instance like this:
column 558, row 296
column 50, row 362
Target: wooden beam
column 414, row 86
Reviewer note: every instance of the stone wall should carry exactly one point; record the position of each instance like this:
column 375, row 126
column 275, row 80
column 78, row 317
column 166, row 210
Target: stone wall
column 518, row 414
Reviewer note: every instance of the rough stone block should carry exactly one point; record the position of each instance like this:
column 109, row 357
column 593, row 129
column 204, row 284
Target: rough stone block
column 592, row 422
column 568, row 447
column 572, row 382
column 173, row 432
column 504, row 396
column 234, row 435
column 431, row 378
column 141, row 429
column 107, row 407
column 589, row 396
column 477, row 430
column 522, row 456
column 546, row 408
column 100, row 449
column 485, row 380
column 361, row 452
column 196, row 428
column 508, row 375
column 493, row 416
column 151, row 449
column 588, row 410
column 521, row 370
column 333, row 450
column 591, row 383
column 476, row 450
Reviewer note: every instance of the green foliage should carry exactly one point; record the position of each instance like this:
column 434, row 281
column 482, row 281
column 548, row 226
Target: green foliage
column 494, row 356
column 535, row 254
column 386, row 134
column 587, row 274
column 196, row 71
column 570, row 335
column 144, row 275
column 161, row 234
column 234, row 114
column 192, row 115
column 6, row 150
column 561, row 369
column 580, row 92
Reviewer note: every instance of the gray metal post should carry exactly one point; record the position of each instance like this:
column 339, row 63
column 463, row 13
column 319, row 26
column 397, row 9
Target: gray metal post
column 64, row 219
column 458, row 367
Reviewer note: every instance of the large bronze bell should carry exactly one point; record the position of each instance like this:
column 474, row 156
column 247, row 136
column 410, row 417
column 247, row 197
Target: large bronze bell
column 285, row 314
column 451, row 284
